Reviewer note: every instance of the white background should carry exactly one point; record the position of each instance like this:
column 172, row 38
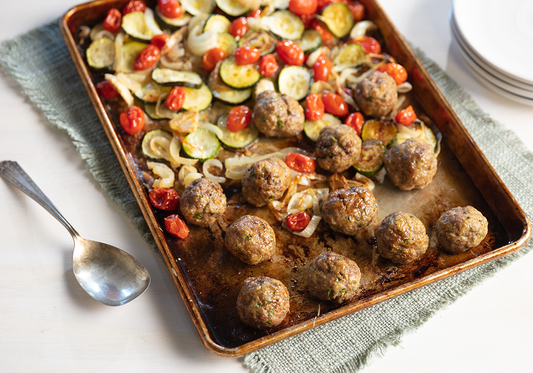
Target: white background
column 48, row 324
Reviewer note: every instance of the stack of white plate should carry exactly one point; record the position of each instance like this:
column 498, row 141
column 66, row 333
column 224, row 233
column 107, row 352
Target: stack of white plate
column 495, row 38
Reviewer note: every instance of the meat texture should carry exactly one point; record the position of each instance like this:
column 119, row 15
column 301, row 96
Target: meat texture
column 203, row 202
column 377, row 94
column 251, row 239
column 337, row 147
column 278, row 115
column 265, row 181
column 461, row 229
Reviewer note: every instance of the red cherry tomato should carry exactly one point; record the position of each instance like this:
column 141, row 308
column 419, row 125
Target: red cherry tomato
column 358, row 9
column 239, row 118
column 175, row 226
column 247, row 55
column 303, row 7
column 164, row 199
column 356, row 121
column 300, row 162
column 134, row 6
column 239, row 27
column 268, row 65
column 322, row 68
column 132, row 120
column 170, row 8
column 307, row 19
column 335, row 104
column 406, row 116
column 106, row 90
column 160, row 40
column 314, row 109
column 395, row 70
column 370, row 45
column 176, row 98
column 348, row 91
column 113, row 20
column 298, row 222
column 290, row 52
column 147, row 58
column 322, row 30
column 254, row 13
column 211, row 58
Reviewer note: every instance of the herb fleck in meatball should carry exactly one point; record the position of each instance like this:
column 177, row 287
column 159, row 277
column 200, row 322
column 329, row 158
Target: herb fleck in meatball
column 333, row 277
column 203, row 202
column 265, row 181
column 251, row 239
column 461, row 229
column 349, row 211
column 263, row 302
column 278, row 115
column 401, row 237
column 377, row 94
column 337, row 147
column 411, row 165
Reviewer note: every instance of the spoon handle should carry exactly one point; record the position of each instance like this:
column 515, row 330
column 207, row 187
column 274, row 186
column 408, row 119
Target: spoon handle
column 12, row 172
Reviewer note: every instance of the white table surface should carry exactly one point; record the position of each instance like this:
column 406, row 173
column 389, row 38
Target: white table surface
column 48, row 324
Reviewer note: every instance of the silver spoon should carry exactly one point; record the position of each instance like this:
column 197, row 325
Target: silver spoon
column 110, row 275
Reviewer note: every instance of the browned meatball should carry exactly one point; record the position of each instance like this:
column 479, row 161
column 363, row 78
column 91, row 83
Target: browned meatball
column 203, row 202
column 401, row 237
column 278, row 115
column 333, row 277
column 377, row 94
column 337, row 147
column 251, row 239
column 266, row 181
column 263, row 302
column 411, row 165
column 349, row 211
column 461, row 229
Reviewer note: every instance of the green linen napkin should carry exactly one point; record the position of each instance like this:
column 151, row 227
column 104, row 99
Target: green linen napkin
column 41, row 64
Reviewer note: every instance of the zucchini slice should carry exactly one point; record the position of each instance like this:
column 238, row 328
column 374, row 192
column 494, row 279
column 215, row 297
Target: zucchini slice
column 154, row 142
column 197, row 7
column 217, row 23
column 310, row 41
column 222, row 92
column 285, row 25
column 130, row 51
column 261, row 40
column 338, row 18
column 141, row 25
column 239, row 76
column 201, row 144
column 313, row 128
column 101, row 54
column 227, row 43
column 162, row 114
column 172, row 23
column 150, row 92
column 197, row 99
column 372, row 157
column 384, row 131
column 232, row 7
column 350, row 54
column 236, row 140
column 294, row 81
column 169, row 77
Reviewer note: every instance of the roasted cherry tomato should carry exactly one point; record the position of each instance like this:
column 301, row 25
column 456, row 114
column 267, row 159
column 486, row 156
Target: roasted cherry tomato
column 176, row 98
column 322, row 68
column 170, row 8
column 147, row 58
column 395, row 70
column 303, row 7
column 307, row 19
column 247, row 55
column 132, row 120
column 357, row 9
column 106, row 90
column 370, row 45
column 160, row 40
column 239, row 27
column 211, row 58
column 322, row 30
column 314, row 107
column 113, row 20
column 134, row 6
column 239, row 118
column 268, row 65
column 290, row 52
column 348, row 91
column 176, row 226
column 300, row 162
column 335, row 104
column 298, row 222
column 164, row 199
column 356, row 121
column 254, row 13
column 406, row 116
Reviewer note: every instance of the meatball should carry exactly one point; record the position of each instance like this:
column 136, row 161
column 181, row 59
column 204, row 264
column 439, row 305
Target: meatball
column 337, row 147
column 251, row 239
column 263, row 302
column 461, row 229
column 411, row 164
column 278, row 115
column 203, row 202
column 377, row 94
column 333, row 277
column 401, row 237
column 265, row 181
column 349, row 211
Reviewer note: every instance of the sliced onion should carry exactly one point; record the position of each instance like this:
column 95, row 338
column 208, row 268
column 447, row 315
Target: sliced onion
column 380, row 176
column 103, row 34
column 213, row 163
column 142, row 76
column 165, row 173
column 301, row 201
column 293, row 150
column 150, row 22
column 313, row 56
column 311, row 227
column 174, row 39
column 185, row 122
column 118, row 64
column 191, row 177
column 367, row 183
column 258, row 23
column 175, row 147
column 121, row 89
column 405, row 87
column 212, row 128
column 131, row 84
column 199, row 42
column 184, row 171
column 362, row 28
column 245, row 161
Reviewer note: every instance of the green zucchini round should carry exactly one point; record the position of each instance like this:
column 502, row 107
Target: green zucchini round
column 371, row 158
column 294, row 81
column 197, row 99
column 261, row 40
column 310, row 41
column 239, row 76
column 172, row 23
column 236, row 140
column 338, row 18
column 313, row 128
column 163, row 114
column 382, row 130
column 101, row 54
column 201, row 144
column 232, row 7
column 146, row 145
